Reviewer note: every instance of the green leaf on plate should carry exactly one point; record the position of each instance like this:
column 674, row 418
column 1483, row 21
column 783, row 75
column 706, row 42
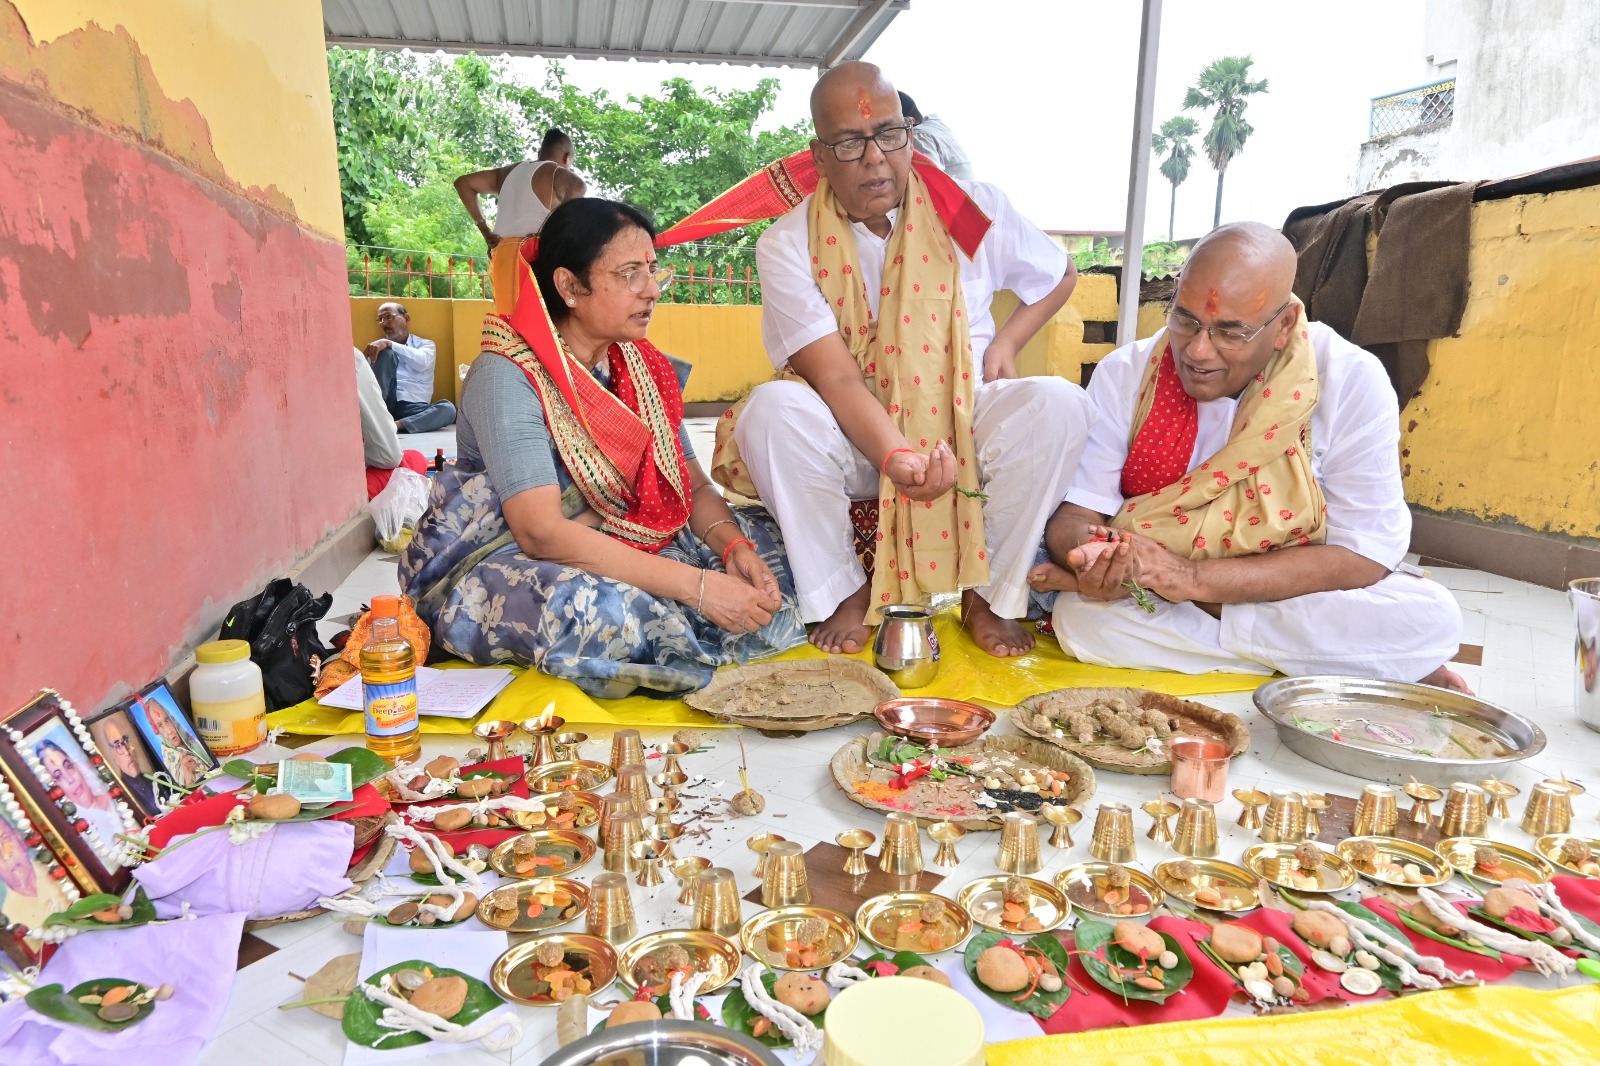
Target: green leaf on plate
column 1095, row 939
column 361, row 1014
column 1387, row 973
column 365, row 765
column 1040, row 1004
column 902, row 960
column 1455, row 942
column 53, row 1001
column 1477, row 911
column 739, row 1015
column 77, row 916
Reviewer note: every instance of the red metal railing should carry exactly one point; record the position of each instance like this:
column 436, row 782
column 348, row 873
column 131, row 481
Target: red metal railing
column 705, row 282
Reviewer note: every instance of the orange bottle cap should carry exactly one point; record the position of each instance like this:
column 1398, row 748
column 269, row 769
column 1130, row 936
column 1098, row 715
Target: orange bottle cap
column 386, row 606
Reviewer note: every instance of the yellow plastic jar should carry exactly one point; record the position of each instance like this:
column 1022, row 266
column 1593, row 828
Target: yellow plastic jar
column 226, row 698
column 902, row 1020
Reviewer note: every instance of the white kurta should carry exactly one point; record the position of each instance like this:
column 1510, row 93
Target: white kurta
column 1029, row 432
column 1403, row 627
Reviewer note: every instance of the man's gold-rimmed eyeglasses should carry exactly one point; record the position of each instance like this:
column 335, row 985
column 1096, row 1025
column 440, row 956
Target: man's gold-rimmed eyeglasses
column 888, row 140
column 1223, row 338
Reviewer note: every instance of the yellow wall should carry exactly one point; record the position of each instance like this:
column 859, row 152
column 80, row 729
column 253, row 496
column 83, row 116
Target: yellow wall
column 1504, row 428
column 231, row 62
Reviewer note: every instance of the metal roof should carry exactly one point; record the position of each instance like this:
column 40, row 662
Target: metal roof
column 795, row 33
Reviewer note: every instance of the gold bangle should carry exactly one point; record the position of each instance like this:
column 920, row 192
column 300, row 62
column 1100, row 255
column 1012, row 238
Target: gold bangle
column 699, row 604
column 707, row 532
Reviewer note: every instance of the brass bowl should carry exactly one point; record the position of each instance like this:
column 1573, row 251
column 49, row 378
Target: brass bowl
column 713, row 955
column 765, row 935
column 1392, row 851
column 879, row 920
column 983, row 900
column 1078, row 884
column 565, row 776
column 1234, row 884
column 525, row 891
column 501, row 859
column 512, row 974
column 934, row 721
column 1279, row 864
column 1517, row 862
column 1549, row 847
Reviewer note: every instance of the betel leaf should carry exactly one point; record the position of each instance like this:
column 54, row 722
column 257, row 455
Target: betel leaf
column 365, row 765
column 1477, row 911
column 79, row 915
column 1040, row 1004
column 739, row 1015
column 1387, row 972
column 1455, row 942
column 1094, row 939
column 53, row 1001
column 901, row 960
column 361, row 1014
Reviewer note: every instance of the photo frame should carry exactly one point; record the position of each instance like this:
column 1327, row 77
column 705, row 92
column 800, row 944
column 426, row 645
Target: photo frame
column 131, row 762
column 170, row 737
column 57, row 772
column 33, row 883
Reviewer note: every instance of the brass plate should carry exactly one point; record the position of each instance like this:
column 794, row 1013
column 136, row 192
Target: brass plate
column 714, row 955
column 563, row 776
column 1457, row 851
column 983, row 898
column 1077, row 883
column 549, row 918
column 1276, row 863
column 587, row 805
column 1397, row 852
column 512, row 975
column 500, row 859
column 765, row 935
column 1549, row 847
column 1236, row 884
column 879, row 918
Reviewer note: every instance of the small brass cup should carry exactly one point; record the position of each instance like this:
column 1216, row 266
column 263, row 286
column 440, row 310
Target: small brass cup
column 1112, row 840
column 1284, row 821
column 610, row 914
column 856, row 841
column 945, row 834
column 759, row 844
column 496, row 733
column 670, row 754
column 1500, row 794
column 1161, row 812
column 627, row 749
column 647, row 854
column 663, row 836
column 626, row 831
column 1196, row 835
column 543, row 731
column 1465, row 812
column 1549, row 810
column 1061, row 818
column 688, row 872
column 1316, row 803
column 1253, row 800
column 716, row 903
column 785, row 884
column 1377, row 812
column 1019, row 843
column 567, row 745
column 661, row 810
column 669, row 783
column 1424, row 796
column 901, row 852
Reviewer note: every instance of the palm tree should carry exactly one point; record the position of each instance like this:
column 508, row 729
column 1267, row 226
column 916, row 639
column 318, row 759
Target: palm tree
column 1225, row 86
column 1173, row 140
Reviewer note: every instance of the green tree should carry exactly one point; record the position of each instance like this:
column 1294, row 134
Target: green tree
column 1172, row 140
column 1224, row 88
column 382, row 140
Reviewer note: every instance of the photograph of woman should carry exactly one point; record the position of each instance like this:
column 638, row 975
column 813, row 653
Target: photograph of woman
column 69, row 769
column 27, row 892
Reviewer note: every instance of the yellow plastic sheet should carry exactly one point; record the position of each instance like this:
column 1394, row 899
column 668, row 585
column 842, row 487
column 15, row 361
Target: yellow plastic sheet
column 966, row 672
column 1454, row 1027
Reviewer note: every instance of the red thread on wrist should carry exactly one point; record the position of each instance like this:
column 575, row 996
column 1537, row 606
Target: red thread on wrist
column 892, row 453
column 732, row 544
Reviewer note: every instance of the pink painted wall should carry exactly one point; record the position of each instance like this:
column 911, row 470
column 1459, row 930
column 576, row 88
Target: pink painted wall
column 178, row 418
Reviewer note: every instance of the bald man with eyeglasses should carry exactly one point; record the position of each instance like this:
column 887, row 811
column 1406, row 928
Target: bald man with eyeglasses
column 1239, row 506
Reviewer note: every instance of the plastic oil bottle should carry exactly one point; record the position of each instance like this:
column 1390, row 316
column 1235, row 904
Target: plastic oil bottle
column 389, row 685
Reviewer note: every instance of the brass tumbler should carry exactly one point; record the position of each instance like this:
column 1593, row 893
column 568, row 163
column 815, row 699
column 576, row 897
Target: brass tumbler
column 1465, row 812
column 626, row 831
column 1019, row 843
column 627, row 749
column 611, row 909
column 1061, row 818
column 945, row 834
column 785, row 883
column 688, row 872
column 1112, row 840
column 901, row 852
column 759, row 844
column 716, row 903
column 1549, row 810
column 1196, row 835
column 613, row 807
column 1377, row 812
column 1284, row 821
column 633, row 781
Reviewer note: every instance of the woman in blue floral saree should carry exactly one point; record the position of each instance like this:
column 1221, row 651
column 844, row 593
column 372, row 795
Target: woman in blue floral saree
column 577, row 533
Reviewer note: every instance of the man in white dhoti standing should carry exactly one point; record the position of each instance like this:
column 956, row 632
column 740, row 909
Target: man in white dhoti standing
column 895, row 384
column 1245, row 468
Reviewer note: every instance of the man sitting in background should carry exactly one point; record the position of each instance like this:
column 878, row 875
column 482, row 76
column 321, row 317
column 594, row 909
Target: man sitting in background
column 931, row 137
column 403, row 365
column 1244, row 467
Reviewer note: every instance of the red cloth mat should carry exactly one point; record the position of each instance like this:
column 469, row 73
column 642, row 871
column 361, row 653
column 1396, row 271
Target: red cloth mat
column 1317, row 981
column 201, row 811
column 512, row 765
column 1580, row 895
column 1481, row 965
column 1205, row 996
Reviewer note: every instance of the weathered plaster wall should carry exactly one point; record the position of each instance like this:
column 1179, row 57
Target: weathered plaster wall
column 179, row 418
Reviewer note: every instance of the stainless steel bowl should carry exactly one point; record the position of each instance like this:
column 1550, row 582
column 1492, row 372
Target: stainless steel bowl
column 664, row 1043
column 1280, row 700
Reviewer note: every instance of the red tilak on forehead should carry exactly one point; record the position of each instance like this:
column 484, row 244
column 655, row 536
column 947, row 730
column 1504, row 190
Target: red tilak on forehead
column 1211, row 303
column 863, row 104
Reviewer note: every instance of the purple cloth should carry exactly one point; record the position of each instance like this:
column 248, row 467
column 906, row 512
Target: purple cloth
column 198, row 958
column 282, row 871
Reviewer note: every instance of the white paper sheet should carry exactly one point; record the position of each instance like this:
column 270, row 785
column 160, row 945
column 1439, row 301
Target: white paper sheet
column 470, row 951
column 440, row 693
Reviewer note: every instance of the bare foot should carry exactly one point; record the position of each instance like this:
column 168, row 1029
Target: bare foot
column 1049, row 577
column 1444, row 677
column 1000, row 637
column 845, row 631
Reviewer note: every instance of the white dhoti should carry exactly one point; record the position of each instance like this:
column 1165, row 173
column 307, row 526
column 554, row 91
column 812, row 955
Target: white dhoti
column 1029, row 434
column 1402, row 629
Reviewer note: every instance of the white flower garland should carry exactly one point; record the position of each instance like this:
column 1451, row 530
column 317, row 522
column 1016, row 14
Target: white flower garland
column 113, row 853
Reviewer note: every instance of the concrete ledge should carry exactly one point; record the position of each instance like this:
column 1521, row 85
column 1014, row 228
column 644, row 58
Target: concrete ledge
column 1540, row 559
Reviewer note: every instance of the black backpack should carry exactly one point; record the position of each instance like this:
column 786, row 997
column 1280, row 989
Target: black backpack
column 281, row 625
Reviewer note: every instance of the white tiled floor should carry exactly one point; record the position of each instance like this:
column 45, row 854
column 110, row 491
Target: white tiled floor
column 1524, row 632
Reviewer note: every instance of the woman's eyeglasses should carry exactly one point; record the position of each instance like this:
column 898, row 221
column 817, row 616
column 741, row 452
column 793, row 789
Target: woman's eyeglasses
column 637, row 279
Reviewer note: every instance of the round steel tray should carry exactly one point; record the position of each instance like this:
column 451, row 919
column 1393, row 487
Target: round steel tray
column 1278, row 700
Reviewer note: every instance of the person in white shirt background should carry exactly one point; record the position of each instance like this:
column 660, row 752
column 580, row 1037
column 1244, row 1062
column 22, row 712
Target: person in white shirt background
column 403, row 365
column 931, row 137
